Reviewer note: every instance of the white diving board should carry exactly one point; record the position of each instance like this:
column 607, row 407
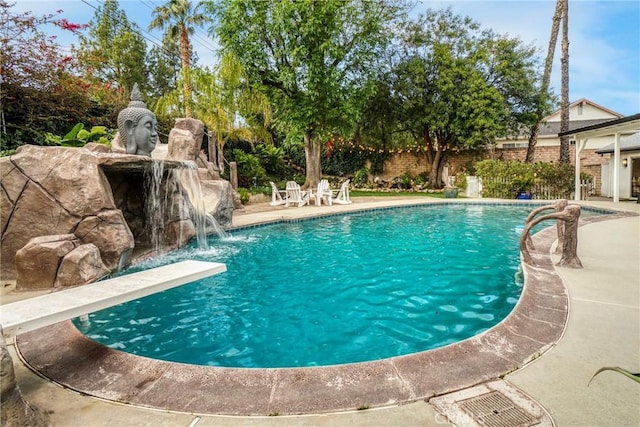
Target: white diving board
column 33, row 313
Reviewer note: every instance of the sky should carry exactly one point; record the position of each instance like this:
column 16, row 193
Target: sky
column 604, row 38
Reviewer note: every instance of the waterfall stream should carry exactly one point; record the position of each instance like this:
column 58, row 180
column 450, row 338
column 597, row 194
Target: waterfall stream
column 154, row 204
column 159, row 198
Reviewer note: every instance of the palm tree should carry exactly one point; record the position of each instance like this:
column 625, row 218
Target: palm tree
column 565, row 156
column 180, row 18
column 226, row 104
column 546, row 76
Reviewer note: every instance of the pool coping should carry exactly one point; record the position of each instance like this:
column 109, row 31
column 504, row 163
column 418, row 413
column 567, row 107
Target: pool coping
column 64, row 355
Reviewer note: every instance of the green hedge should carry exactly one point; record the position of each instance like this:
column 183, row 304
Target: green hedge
column 502, row 179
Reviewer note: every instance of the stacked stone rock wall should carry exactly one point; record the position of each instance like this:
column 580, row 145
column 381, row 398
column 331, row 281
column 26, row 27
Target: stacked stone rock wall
column 185, row 142
column 52, row 191
column 48, row 191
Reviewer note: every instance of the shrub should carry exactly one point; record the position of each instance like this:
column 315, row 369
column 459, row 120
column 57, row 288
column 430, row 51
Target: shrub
column 342, row 160
column 272, row 159
column 504, row 179
column 244, row 194
column 421, row 179
column 79, row 136
column 557, row 178
column 406, row 181
column 250, row 171
column 461, row 180
column 361, row 177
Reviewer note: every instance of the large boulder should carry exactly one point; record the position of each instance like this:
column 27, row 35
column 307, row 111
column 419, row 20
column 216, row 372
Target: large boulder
column 205, row 165
column 105, row 199
column 195, row 127
column 34, row 213
column 70, row 176
column 37, row 263
column 49, row 191
column 219, row 200
column 111, row 234
column 57, row 261
column 185, row 141
column 182, row 146
column 80, row 266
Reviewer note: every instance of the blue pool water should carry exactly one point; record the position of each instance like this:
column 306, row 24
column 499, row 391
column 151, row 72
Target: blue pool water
column 331, row 290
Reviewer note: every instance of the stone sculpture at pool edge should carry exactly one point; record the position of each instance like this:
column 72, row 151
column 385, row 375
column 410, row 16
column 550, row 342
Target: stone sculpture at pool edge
column 137, row 126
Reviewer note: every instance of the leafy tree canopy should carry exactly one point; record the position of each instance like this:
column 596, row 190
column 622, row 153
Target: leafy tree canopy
column 460, row 87
column 114, row 52
column 311, row 58
column 179, row 18
column 38, row 91
column 164, row 66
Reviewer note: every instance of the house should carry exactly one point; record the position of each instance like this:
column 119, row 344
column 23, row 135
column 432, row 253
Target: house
column 629, row 184
column 583, row 113
column 620, row 173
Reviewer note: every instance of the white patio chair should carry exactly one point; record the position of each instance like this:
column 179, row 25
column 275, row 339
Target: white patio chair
column 324, row 193
column 343, row 194
column 295, row 195
column 276, row 195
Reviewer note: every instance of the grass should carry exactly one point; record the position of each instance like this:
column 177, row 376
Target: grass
column 371, row 193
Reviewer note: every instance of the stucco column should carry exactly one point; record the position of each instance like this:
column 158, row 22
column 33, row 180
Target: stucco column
column 616, row 168
column 577, row 189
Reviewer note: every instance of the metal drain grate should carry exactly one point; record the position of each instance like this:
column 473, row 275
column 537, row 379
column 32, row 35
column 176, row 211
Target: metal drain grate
column 496, row 410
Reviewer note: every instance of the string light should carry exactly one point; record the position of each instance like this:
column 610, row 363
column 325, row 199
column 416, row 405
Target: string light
column 341, row 143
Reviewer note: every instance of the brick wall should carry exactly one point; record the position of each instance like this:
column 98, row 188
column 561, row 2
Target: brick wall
column 404, row 162
column 399, row 164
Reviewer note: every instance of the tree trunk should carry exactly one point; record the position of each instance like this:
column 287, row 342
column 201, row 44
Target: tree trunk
column 312, row 151
column 186, row 71
column 435, row 174
column 565, row 156
column 219, row 143
column 531, row 146
column 212, row 149
column 546, row 76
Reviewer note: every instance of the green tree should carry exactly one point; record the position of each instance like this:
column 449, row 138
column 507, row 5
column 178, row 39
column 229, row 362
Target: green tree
column 114, row 52
column 179, row 18
column 164, row 67
column 311, row 58
column 39, row 92
column 460, row 87
column 380, row 117
column 565, row 156
column 379, row 128
column 542, row 106
column 225, row 103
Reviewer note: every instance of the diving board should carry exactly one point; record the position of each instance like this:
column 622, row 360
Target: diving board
column 33, row 313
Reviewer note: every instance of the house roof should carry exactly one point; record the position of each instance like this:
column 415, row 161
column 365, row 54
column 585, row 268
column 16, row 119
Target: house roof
column 627, row 143
column 584, row 101
column 628, row 124
column 553, row 128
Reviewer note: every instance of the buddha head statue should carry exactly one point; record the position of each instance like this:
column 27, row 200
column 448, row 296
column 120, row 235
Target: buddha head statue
column 137, row 126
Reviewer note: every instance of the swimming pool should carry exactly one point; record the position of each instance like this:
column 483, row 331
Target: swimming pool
column 64, row 355
column 332, row 290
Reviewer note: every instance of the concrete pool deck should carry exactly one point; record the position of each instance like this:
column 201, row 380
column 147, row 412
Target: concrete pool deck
column 602, row 330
